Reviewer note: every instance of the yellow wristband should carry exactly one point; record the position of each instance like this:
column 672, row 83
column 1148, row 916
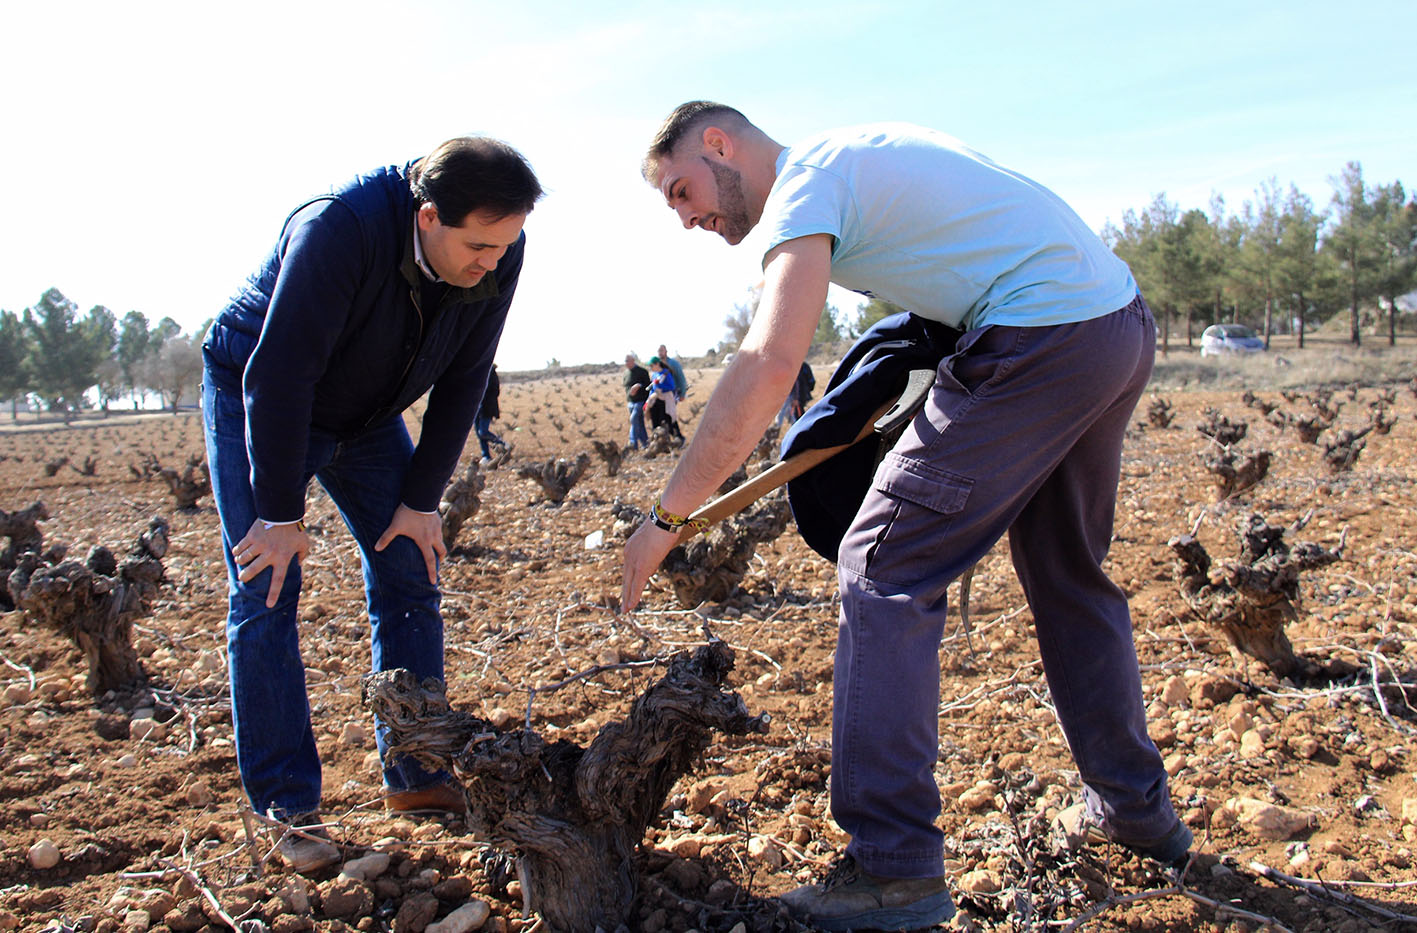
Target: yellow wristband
column 667, row 520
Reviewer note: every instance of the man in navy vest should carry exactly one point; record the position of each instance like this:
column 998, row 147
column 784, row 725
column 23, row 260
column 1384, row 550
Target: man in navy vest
column 394, row 284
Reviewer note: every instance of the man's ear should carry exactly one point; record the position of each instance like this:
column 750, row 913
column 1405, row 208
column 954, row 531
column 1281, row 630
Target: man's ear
column 427, row 216
column 717, row 142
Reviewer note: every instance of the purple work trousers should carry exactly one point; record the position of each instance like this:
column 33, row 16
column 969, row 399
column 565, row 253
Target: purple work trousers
column 1022, row 433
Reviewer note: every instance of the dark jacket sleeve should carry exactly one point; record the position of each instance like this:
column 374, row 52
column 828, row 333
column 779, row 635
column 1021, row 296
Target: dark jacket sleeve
column 321, row 264
column 457, row 394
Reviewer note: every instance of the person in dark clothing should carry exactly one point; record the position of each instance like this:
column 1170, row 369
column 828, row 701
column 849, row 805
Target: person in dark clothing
column 487, row 413
column 636, row 383
column 396, row 283
column 799, row 396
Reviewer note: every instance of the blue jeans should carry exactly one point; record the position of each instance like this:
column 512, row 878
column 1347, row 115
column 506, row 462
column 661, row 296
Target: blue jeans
column 483, row 426
column 270, row 709
column 1021, row 434
column 639, row 437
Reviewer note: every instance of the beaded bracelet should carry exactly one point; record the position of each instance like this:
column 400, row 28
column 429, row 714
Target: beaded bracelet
column 667, row 520
column 661, row 523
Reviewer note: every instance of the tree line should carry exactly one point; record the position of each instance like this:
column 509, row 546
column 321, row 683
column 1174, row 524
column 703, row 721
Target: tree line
column 70, row 362
column 1278, row 264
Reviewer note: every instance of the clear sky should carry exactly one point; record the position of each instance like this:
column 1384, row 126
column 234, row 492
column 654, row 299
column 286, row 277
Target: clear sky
column 150, row 151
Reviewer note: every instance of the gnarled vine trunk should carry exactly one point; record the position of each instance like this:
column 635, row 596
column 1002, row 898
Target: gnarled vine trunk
column 573, row 816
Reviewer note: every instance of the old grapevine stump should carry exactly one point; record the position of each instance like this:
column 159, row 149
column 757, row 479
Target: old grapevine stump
column 1308, row 427
column 662, row 441
column 572, row 815
column 1324, row 406
column 1261, row 405
column 612, row 455
column 556, row 476
column 1343, row 451
column 95, row 602
column 1378, row 416
column 707, row 568
column 189, row 485
column 1253, row 597
column 768, row 444
column 23, row 537
column 501, row 453
column 460, row 502
column 627, row 518
column 1234, row 471
column 1221, row 429
column 1160, row 414
column 21, row 527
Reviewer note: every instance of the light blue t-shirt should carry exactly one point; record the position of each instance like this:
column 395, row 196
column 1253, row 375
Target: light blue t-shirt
column 920, row 220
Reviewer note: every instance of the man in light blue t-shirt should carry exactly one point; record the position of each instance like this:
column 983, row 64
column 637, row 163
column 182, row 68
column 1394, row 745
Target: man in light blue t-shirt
column 1021, row 434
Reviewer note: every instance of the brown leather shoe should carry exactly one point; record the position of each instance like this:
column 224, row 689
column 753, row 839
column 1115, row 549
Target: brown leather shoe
column 443, row 798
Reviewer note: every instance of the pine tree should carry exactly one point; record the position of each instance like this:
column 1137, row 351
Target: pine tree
column 61, row 358
column 14, row 368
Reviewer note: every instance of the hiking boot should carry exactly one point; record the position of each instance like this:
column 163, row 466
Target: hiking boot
column 305, row 846
column 1079, row 828
column 443, row 798
column 851, row 899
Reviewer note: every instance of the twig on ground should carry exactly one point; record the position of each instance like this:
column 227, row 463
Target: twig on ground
column 21, row 668
column 984, row 691
column 207, row 893
column 1220, row 907
column 1396, row 678
column 1325, row 891
column 256, row 864
column 1378, row 693
column 583, row 675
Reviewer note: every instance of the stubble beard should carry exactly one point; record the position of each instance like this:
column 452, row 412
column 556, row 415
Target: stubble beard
column 732, row 202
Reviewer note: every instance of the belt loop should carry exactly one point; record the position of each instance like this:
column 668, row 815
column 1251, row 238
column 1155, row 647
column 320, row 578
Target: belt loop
column 1138, row 306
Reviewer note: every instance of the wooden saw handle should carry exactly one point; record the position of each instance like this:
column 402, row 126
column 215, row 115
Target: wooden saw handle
column 745, row 494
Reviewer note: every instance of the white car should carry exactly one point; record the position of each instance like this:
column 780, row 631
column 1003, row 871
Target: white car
column 1219, row 339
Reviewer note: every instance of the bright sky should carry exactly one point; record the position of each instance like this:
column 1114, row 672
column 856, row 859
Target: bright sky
column 151, row 150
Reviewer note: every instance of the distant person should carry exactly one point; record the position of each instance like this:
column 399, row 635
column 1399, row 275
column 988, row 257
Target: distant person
column 663, row 392
column 396, row 283
column 487, row 413
column 681, row 384
column 636, row 383
column 805, row 385
column 1021, row 433
column 798, row 396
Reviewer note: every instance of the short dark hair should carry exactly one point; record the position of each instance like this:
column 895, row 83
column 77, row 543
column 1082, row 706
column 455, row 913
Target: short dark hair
column 474, row 173
column 684, row 119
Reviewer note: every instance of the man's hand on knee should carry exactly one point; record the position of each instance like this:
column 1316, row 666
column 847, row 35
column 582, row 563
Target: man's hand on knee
column 272, row 546
column 424, row 529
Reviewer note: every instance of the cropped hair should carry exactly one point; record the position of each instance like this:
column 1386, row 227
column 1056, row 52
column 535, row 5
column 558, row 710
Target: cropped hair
column 684, row 119
column 474, row 173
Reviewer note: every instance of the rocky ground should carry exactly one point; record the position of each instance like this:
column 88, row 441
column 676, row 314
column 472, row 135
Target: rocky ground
column 123, row 811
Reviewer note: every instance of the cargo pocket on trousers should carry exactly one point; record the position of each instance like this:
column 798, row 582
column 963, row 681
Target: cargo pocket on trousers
column 926, row 501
